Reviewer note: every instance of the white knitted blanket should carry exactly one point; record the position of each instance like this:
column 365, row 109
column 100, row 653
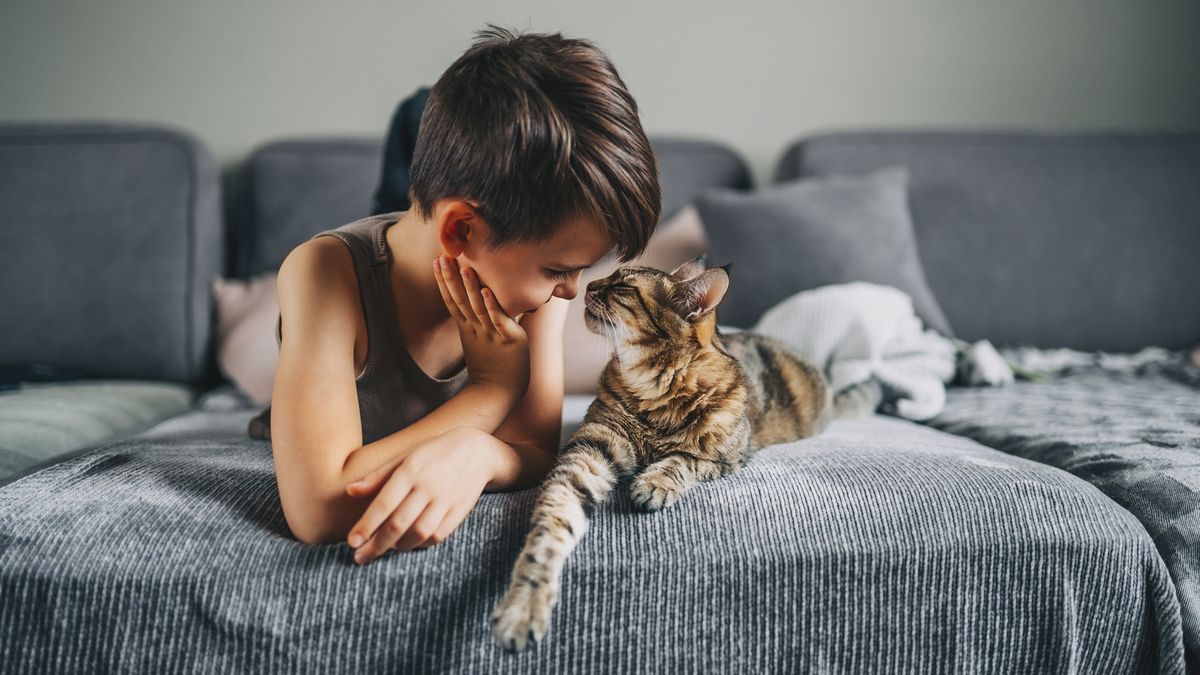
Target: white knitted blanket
column 858, row 331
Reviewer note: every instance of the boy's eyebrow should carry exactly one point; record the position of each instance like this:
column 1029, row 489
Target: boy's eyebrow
column 571, row 268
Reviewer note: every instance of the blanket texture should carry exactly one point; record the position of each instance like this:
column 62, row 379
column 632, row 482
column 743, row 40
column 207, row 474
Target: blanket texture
column 1128, row 424
column 879, row 546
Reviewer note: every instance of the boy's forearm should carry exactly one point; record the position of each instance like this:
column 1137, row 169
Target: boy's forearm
column 479, row 406
column 516, row 466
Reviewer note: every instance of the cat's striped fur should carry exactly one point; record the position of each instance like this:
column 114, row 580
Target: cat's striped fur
column 679, row 403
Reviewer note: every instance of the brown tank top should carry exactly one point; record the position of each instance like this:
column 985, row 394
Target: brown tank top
column 393, row 390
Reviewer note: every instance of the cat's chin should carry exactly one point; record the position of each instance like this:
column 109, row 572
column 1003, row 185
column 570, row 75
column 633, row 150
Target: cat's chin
column 593, row 322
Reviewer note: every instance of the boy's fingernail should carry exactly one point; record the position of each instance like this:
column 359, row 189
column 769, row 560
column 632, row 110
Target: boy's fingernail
column 355, row 540
column 359, row 557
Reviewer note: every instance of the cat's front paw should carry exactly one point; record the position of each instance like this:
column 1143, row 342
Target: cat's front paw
column 653, row 491
column 523, row 615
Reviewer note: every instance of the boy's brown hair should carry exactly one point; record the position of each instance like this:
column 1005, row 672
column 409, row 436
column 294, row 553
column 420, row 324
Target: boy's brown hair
column 537, row 129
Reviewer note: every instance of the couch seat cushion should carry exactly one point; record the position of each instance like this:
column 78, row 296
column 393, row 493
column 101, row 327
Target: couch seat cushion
column 41, row 422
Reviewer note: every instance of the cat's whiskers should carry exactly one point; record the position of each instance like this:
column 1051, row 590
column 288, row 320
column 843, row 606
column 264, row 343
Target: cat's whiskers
column 609, row 331
column 616, row 334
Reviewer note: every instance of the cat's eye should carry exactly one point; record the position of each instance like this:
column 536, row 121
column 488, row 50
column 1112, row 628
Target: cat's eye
column 622, row 288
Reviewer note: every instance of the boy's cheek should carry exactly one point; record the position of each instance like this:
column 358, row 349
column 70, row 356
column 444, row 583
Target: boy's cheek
column 514, row 305
column 504, row 302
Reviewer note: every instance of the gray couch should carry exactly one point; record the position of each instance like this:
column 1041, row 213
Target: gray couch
column 1044, row 527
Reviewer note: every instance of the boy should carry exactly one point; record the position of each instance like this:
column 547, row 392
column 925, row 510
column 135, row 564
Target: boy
column 530, row 165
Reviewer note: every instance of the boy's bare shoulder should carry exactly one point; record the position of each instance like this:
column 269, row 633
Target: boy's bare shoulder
column 318, row 276
column 322, row 255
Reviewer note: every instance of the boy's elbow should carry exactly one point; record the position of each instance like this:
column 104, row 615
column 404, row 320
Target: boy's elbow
column 311, row 532
column 306, row 524
column 315, row 518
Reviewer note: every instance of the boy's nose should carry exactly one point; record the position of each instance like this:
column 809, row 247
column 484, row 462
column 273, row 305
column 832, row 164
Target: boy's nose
column 567, row 291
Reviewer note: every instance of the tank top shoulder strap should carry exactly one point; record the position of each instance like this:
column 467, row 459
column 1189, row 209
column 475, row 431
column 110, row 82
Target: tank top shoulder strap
column 366, row 238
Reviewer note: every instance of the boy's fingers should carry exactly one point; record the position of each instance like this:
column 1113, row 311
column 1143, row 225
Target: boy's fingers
column 495, row 313
column 455, row 312
column 398, row 524
column 363, row 487
column 450, row 523
column 505, row 324
column 457, row 291
column 380, row 508
column 428, row 521
column 370, row 482
column 485, row 313
column 471, row 283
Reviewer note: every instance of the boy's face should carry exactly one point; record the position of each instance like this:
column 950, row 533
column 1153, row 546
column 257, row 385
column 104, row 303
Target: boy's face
column 524, row 276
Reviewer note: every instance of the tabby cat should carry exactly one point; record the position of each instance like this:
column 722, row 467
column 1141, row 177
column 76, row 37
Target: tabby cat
column 679, row 403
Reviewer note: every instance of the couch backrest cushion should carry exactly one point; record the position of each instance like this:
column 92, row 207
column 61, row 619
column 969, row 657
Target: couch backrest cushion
column 1081, row 240
column 110, row 236
column 292, row 189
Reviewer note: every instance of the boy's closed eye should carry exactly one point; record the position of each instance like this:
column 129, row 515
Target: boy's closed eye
column 564, row 272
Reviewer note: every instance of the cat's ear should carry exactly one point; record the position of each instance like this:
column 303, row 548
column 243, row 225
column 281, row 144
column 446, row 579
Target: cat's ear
column 690, row 268
column 696, row 298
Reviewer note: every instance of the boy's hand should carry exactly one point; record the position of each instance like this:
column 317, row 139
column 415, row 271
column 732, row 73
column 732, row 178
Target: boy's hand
column 495, row 346
column 426, row 497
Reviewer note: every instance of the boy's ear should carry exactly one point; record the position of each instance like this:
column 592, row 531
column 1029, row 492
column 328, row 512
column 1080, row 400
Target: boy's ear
column 457, row 223
column 697, row 297
column 690, row 268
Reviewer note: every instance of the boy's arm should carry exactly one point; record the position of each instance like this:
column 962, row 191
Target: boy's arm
column 526, row 433
column 528, row 438
column 478, row 406
column 474, row 406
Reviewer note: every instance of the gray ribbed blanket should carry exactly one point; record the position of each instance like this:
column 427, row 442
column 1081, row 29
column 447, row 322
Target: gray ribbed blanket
column 880, row 546
column 1134, row 435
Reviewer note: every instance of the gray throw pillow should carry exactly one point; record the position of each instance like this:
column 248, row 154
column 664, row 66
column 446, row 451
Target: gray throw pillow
column 801, row 234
